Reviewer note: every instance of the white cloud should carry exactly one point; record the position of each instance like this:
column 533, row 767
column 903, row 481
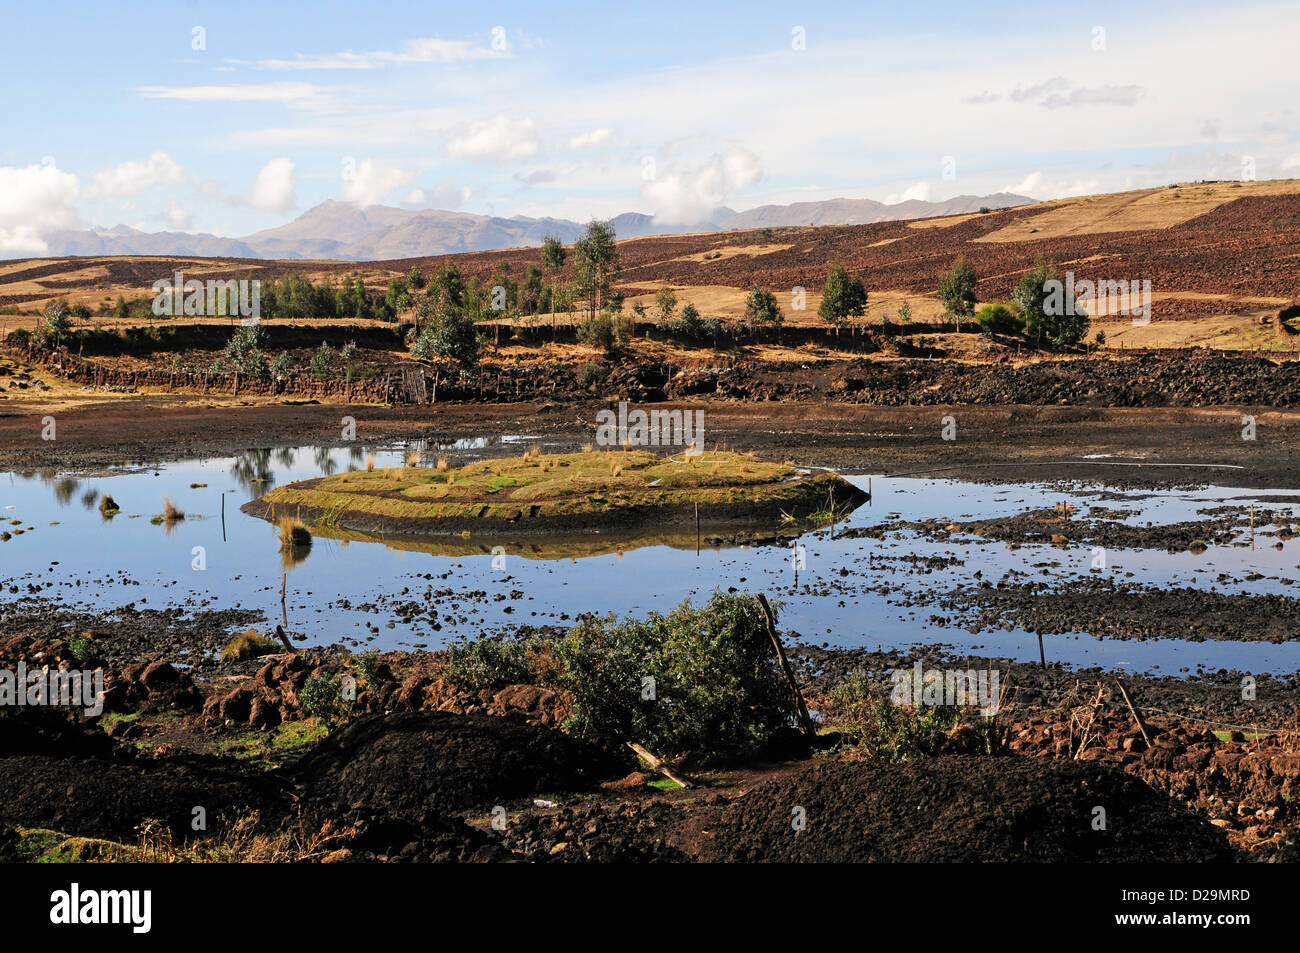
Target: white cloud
column 920, row 191
column 421, row 50
column 301, row 95
column 1291, row 162
column 34, row 200
column 688, row 196
column 500, row 138
column 178, row 218
column 595, row 137
column 438, row 197
column 276, row 187
column 1037, row 186
column 131, row 178
column 372, row 182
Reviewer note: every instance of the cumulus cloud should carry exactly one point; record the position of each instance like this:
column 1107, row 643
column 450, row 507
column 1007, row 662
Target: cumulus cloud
column 440, row 196
column 595, row 137
column 688, row 196
column 372, row 182
column 132, row 178
column 919, row 192
column 500, row 138
column 275, row 189
column 33, row 200
column 985, row 97
column 178, row 217
column 1094, row 96
column 1060, row 93
column 1037, row 186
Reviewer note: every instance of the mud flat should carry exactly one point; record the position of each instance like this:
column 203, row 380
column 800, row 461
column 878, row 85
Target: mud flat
column 563, row 492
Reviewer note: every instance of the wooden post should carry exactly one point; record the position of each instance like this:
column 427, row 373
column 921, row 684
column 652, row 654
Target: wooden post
column 697, row 527
column 1042, row 658
column 1137, row 716
column 223, row 516
column 804, row 718
column 284, row 581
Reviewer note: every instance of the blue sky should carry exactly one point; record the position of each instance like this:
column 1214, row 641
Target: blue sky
column 580, row 110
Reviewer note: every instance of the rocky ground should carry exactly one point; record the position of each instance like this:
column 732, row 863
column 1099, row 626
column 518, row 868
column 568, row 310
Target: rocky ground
column 423, row 769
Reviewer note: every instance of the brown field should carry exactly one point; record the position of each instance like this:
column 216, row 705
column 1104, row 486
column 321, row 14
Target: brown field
column 1220, row 257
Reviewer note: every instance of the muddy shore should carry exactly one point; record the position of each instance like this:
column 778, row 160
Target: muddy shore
column 1128, row 447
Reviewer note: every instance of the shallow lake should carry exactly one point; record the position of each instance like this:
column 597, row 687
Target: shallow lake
column 848, row 592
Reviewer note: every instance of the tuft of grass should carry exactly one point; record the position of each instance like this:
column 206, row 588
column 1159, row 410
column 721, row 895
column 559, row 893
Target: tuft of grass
column 247, row 645
column 588, row 448
column 370, row 463
column 412, row 459
column 293, row 533
column 108, row 506
column 170, row 513
column 443, row 465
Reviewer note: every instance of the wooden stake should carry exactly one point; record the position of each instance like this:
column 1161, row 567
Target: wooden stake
column 697, row 527
column 1137, row 716
column 659, row 765
column 223, row 516
column 1042, row 659
column 804, row 718
column 284, row 581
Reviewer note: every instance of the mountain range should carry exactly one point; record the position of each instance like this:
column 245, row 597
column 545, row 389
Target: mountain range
column 343, row 231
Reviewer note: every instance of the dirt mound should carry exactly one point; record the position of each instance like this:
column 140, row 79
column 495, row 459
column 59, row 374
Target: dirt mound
column 408, row 765
column 597, row 833
column 964, row 810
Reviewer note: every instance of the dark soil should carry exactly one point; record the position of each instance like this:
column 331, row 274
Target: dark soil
column 962, row 809
column 1127, row 611
column 408, row 765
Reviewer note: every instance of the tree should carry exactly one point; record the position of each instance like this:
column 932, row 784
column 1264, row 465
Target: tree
column 121, row 310
column 416, row 279
column 553, row 255
column 449, row 332
column 55, row 324
column 665, row 304
column 1048, row 317
column 957, row 290
column 843, row 297
column 761, row 307
column 596, row 264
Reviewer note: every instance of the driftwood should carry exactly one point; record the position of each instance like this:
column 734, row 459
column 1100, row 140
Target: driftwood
column 659, row 765
column 804, row 718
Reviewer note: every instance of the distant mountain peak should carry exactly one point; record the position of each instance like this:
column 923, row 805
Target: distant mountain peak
column 343, row 230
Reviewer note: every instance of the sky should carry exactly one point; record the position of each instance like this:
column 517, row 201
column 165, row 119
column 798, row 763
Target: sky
column 232, row 117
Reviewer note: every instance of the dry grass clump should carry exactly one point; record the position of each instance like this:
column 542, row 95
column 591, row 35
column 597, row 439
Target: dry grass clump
column 108, row 505
column 370, row 463
column 170, row 513
column 293, row 533
column 588, row 448
column 412, row 459
column 443, row 465
column 247, row 645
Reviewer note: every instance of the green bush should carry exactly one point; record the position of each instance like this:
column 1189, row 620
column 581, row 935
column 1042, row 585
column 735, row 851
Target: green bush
column 870, row 721
column 244, row 352
column 717, row 688
column 322, row 362
column 494, row 662
column 999, row 319
column 322, row 698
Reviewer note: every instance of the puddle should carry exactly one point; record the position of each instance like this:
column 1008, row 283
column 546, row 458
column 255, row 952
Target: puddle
column 424, row 595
